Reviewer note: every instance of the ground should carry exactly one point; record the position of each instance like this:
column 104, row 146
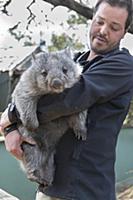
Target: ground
column 125, row 193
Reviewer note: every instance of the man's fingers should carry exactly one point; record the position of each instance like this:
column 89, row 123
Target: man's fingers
column 13, row 143
column 29, row 140
column 4, row 120
column 18, row 153
column 2, row 130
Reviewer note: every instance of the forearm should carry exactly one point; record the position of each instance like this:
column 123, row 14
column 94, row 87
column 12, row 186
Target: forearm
column 71, row 101
column 96, row 86
column 13, row 138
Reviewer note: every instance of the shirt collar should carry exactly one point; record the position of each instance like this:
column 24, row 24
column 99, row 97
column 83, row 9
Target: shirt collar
column 83, row 58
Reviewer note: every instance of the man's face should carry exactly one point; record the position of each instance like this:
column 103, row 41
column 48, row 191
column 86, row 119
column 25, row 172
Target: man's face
column 108, row 28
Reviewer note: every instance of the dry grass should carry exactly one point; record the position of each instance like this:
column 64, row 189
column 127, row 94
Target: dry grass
column 125, row 193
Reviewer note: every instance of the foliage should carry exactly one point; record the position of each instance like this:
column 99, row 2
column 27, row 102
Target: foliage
column 62, row 41
column 76, row 19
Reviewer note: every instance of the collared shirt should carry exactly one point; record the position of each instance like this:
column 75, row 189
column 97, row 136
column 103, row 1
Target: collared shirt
column 85, row 169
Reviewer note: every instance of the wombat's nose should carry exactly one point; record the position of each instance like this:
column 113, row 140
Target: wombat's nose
column 56, row 83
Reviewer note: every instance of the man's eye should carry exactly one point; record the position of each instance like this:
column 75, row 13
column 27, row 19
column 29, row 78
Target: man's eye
column 115, row 28
column 99, row 22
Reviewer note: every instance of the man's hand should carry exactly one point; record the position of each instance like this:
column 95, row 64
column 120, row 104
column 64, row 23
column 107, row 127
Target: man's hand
column 4, row 121
column 13, row 143
column 13, row 139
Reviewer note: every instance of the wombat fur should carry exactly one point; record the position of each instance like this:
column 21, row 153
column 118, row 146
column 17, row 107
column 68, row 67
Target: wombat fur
column 49, row 73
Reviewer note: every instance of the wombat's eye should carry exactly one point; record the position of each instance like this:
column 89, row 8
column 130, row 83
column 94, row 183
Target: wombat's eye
column 44, row 73
column 64, row 69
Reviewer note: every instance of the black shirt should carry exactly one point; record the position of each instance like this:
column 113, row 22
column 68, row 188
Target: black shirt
column 85, row 169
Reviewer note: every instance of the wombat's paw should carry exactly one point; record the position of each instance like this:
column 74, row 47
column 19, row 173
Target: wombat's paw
column 39, row 176
column 30, row 124
column 81, row 133
column 34, row 177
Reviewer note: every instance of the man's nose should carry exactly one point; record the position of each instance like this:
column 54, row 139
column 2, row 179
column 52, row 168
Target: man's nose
column 104, row 30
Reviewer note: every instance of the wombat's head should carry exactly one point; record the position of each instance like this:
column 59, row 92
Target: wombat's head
column 55, row 71
column 37, row 164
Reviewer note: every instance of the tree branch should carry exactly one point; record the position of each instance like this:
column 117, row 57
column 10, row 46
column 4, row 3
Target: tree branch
column 77, row 7
column 4, row 10
column 31, row 16
column 80, row 8
column 73, row 5
column 18, row 36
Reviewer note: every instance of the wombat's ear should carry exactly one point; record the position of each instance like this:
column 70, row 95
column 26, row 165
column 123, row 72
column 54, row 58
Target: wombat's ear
column 33, row 56
column 69, row 51
column 40, row 57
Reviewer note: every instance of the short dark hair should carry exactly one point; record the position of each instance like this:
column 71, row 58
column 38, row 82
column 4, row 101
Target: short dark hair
column 127, row 4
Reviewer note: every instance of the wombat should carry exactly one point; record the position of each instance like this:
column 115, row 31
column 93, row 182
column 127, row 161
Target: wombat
column 49, row 73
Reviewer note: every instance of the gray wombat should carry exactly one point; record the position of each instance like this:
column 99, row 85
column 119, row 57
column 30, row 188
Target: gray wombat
column 49, row 73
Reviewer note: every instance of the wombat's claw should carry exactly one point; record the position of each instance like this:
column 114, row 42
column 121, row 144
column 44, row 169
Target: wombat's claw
column 81, row 134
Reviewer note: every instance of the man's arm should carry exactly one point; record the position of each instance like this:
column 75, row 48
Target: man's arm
column 8, row 128
column 106, row 79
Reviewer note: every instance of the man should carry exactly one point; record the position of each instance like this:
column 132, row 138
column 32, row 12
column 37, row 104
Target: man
column 85, row 169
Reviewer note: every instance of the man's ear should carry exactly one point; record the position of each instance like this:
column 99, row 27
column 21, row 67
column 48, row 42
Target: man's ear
column 126, row 30
column 70, row 52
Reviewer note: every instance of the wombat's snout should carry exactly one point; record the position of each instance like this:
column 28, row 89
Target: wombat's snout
column 56, row 84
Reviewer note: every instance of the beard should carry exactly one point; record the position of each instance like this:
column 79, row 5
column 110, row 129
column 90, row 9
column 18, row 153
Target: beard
column 101, row 51
column 102, row 47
